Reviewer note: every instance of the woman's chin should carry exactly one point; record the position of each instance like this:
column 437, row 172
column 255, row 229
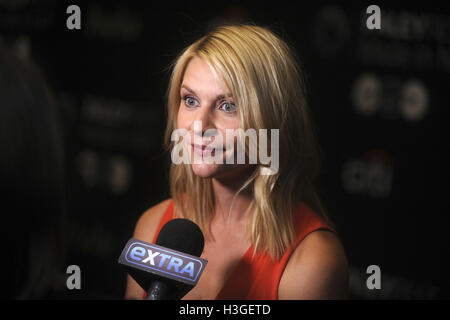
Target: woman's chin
column 223, row 171
column 204, row 170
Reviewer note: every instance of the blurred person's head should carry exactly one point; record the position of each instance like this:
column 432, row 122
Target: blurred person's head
column 244, row 77
column 31, row 179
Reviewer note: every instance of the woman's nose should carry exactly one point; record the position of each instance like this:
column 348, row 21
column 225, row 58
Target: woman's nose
column 202, row 121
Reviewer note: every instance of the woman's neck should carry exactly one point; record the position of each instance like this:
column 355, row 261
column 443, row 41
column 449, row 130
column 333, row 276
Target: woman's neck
column 231, row 206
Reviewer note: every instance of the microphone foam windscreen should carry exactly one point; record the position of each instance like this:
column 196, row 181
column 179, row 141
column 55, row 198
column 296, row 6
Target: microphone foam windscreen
column 182, row 235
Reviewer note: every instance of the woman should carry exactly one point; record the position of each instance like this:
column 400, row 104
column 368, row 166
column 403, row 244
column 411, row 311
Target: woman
column 266, row 237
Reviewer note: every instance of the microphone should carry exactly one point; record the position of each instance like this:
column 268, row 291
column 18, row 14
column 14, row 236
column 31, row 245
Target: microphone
column 171, row 267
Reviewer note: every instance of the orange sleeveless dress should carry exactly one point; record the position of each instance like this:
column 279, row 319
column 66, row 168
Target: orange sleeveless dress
column 258, row 277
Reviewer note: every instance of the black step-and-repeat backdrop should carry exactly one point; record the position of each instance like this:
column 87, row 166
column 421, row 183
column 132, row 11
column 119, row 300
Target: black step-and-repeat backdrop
column 379, row 97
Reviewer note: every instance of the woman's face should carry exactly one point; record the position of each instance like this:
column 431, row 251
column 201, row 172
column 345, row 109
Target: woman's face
column 207, row 110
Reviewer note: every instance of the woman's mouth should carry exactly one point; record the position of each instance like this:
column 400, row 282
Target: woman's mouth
column 204, row 150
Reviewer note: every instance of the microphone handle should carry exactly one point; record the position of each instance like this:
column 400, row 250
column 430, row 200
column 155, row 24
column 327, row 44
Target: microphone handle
column 158, row 291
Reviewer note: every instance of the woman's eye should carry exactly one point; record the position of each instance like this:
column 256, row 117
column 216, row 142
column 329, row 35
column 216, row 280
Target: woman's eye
column 228, row 107
column 190, row 102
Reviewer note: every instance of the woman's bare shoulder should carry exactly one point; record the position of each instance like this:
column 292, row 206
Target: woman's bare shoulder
column 317, row 269
column 149, row 221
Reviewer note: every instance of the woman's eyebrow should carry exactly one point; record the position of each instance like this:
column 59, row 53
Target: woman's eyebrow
column 220, row 96
column 187, row 88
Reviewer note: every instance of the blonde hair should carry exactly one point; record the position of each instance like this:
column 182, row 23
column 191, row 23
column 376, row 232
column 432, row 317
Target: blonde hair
column 267, row 86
